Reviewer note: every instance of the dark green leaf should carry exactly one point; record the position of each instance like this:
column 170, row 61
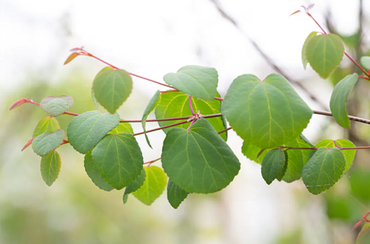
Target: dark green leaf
column 176, row 104
column 153, row 186
column 175, row 194
column 111, row 88
column 323, row 169
column 304, row 57
column 122, row 128
column 349, row 155
column 365, row 62
column 196, row 81
column 338, row 101
column 324, row 53
column 265, row 113
column 153, row 103
column 273, row 165
column 135, row 185
column 56, row 105
column 47, row 142
column 87, row 129
column 118, row 159
column 198, row 160
column 50, row 167
column 94, row 174
column 46, row 124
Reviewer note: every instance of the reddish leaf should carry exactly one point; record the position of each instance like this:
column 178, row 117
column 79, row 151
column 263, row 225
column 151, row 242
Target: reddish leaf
column 295, row 12
column 18, row 103
column 71, row 57
column 27, row 144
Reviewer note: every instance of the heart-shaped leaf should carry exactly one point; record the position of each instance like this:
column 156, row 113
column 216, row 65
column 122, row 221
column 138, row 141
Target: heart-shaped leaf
column 198, row 159
column 176, row 104
column 349, row 155
column 265, row 113
column 47, row 142
column 87, row 129
column 135, row 185
column 304, row 57
column 175, row 194
column 323, row 169
column 56, row 105
column 196, row 81
column 153, row 186
column 118, row 159
column 50, row 167
column 324, row 53
column 338, row 100
column 94, row 174
column 46, row 124
column 273, row 165
column 111, row 88
column 153, row 103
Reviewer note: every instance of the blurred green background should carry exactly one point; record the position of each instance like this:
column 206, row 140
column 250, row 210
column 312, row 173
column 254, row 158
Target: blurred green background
column 151, row 39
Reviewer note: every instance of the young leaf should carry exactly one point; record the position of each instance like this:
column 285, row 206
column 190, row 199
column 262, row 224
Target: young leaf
column 198, row 160
column 324, row 53
column 176, row 104
column 56, row 105
column 94, row 174
column 87, row 129
column 323, row 169
column 196, row 81
column 304, row 57
column 135, row 185
column 153, row 186
column 265, row 113
column 46, row 124
column 122, row 128
column 364, row 235
column 338, row 100
column 50, row 167
column 118, row 159
column 365, row 62
column 111, row 88
column 71, row 57
column 273, row 165
column 153, row 103
column 175, row 194
column 349, row 155
column 47, row 142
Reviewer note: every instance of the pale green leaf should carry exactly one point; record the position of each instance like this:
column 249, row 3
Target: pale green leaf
column 153, row 103
column 198, row 159
column 197, row 81
column 365, row 62
column 304, row 57
column 46, row 124
column 265, row 113
column 56, row 105
column 47, row 142
column 122, row 128
column 135, row 185
column 50, row 167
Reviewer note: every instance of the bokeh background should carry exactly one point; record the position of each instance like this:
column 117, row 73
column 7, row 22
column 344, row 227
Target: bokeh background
column 152, row 38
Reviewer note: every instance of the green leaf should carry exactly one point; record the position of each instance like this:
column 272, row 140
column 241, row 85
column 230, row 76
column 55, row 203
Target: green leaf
column 135, row 185
column 297, row 158
column 176, row 104
column 365, row 62
column 349, row 155
column 324, row 53
column 153, row 186
column 50, row 167
column 153, row 103
column 118, row 159
column 273, row 165
column 338, row 100
column 196, row 81
column 56, row 105
column 265, row 113
column 111, row 88
column 364, row 235
column 87, row 129
column 46, row 124
column 251, row 152
column 94, row 174
column 304, row 56
column 323, row 169
column 198, row 160
column 122, row 128
column 175, row 194
column 47, row 142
